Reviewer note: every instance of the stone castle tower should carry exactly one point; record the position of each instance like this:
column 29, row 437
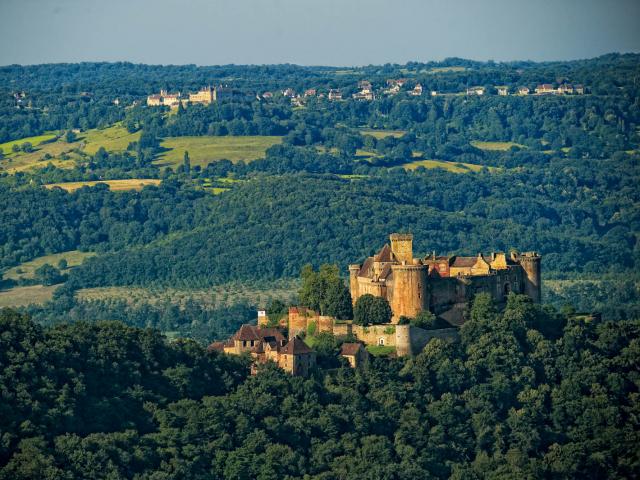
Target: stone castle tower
column 443, row 285
column 530, row 262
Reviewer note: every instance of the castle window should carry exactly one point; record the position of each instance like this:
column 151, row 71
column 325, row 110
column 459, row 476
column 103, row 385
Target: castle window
column 507, row 288
column 381, row 341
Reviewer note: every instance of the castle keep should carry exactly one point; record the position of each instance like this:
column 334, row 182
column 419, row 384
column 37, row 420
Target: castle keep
column 443, row 285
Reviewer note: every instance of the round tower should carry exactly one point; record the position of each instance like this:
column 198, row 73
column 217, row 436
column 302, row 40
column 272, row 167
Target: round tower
column 530, row 262
column 409, row 290
column 353, row 282
column 403, row 340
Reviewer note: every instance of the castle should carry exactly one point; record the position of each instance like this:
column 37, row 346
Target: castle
column 443, row 285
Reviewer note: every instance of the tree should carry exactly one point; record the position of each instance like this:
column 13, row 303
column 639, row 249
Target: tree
column 325, row 291
column 62, row 264
column 70, row 136
column 371, row 310
column 48, row 275
column 186, row 163
column 338, row 301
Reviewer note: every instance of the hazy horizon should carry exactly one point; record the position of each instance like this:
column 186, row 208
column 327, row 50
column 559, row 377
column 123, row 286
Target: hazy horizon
column 352, row 33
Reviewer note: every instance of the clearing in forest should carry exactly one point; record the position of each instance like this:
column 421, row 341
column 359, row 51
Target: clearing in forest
column 454, row 167
column 26, row 270
column 496, row 146
column 7, row 147
column 114, row 185
column 378, row 134
column 23, row 296
column 204, row 150
column 61, row 153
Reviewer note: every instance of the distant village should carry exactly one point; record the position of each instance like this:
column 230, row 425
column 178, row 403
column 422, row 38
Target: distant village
column 366, row 92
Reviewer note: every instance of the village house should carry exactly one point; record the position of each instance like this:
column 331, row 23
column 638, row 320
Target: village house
column 210, row 94
column 417, row 90
column 523, row 90
column 565, row 89
column 163, row 98
column 502, row 90
column 366, row 92
column 475, row 91
column 268, row 344
column 355, row 353
column 310, row 92
column 335, row 94
column 289, row 93
column 579, row 89
column 545, row 89
column 154, row 100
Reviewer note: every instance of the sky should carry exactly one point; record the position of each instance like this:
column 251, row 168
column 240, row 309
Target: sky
column 313, row 32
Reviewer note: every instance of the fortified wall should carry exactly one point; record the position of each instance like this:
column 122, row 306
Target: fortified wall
column 406, row 339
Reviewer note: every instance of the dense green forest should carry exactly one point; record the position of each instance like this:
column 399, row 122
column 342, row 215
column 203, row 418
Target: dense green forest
column 527, row 393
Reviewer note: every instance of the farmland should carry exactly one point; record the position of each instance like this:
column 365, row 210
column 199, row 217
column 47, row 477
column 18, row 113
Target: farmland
column 26, row 270
column 115, row 138
column 61, row 153
column 223, row 295
column 23, row 296
column 114, row 185
column 7, row 147
column 449, row 166
column 204, row 150
column 496, row 146
column 378, row 134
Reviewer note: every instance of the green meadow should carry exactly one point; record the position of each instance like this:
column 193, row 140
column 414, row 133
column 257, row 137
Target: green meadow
column 204, row 150
column 496, row 146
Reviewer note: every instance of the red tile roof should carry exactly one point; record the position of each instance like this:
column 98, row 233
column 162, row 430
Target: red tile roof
column 350, row 349
column 463, row 261
column 216, row 346
column 296, row 346
column 384, row 255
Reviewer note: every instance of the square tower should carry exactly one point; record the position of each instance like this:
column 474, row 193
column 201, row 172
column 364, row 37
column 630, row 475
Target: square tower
column 402, row 247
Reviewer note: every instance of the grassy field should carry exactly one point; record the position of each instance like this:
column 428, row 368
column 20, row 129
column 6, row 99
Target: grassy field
column 378, row 134
column 114, row 185
column 7, row 147
column 445, row 69
column 496, row 146
column 380, row 350
column 204, row 150
column 26, row 270
column 115, row 138
column 23, row 296
column 449, row 166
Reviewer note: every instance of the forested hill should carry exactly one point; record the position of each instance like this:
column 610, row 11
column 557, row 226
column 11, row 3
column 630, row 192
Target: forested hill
column 526, row 394
column 270, row 226
column 250, row 188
